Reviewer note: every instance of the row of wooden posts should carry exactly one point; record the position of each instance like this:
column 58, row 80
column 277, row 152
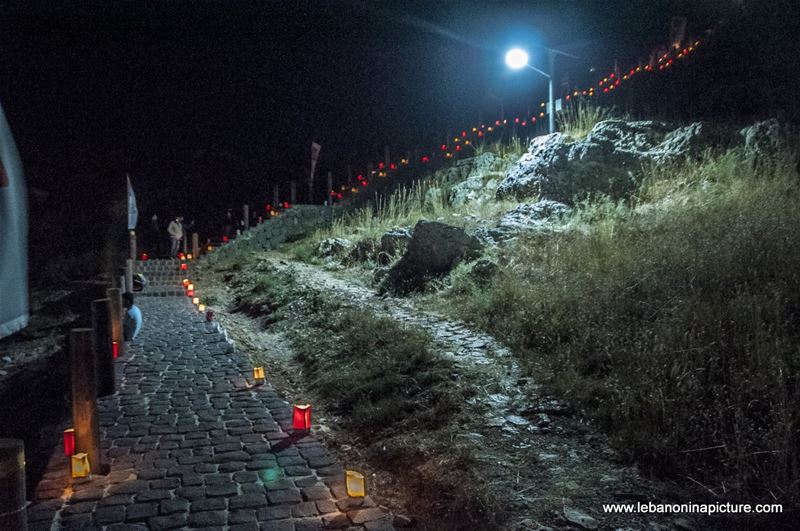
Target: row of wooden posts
column 92, row 354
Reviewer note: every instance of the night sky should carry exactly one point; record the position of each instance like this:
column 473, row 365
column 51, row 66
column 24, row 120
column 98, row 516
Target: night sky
column 224, row 98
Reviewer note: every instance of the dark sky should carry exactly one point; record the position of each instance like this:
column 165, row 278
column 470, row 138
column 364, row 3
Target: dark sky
column 158, row 88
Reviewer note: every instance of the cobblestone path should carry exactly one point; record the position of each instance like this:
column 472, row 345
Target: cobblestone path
column 193, row 444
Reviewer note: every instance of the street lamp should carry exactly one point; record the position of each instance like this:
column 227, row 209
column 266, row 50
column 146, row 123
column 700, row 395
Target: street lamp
column 517, row 58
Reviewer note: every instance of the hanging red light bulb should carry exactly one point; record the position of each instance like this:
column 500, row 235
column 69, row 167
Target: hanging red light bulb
column 443, row 147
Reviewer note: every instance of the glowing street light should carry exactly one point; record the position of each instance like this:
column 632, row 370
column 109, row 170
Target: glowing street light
column 517, row 58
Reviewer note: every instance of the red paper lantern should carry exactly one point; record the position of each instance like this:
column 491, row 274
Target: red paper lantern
column 339, row 195
column 184, row 267
column 69, row 442
column 516, row 120
column 425, row 159
column 480, row 133
column 463, row 134
column 364, row 183
column 392, row 166
column 381, row 165
column 143, row 257
column 224, row 239
column 190, row 293
column 115, row 349
column 458, row 148
column 301, row 420
column 286, row 205
column 181, row 256
column 360, row 177
column 443, row 147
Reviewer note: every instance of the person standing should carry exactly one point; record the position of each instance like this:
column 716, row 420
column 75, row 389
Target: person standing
column 132, row 323
column 175, row 230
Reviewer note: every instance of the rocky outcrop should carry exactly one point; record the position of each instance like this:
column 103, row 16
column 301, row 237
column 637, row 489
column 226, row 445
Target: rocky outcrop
column 434, row 249
column 331, row 248
column 528, row 217
column 605, row 162
column 478, row 182
column 764, row 140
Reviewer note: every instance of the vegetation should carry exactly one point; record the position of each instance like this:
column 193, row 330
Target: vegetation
column 674, row 318
column 578, row 120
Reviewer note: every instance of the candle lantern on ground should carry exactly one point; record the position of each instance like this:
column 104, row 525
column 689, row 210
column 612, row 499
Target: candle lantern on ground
column 201, row 308
column 69, row 442
column 185, row 282
column 184, row 267
column 195, row 300
column 115, row 349
column 80, row 465
column 258, row 373
column 354, row 482
column 301, row 420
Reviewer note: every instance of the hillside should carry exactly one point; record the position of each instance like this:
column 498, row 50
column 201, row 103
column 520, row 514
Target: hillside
column 609, row 316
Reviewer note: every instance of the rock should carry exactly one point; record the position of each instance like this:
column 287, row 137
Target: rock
column 434, row 199
column 379, row 273
column 580, row 518
column 434, row 249
column 517, row 420
column 765, row 139
column 558, row 168
column 401, row 520
column 394, row 242
column 478, row 184
column 333, row 247
column 362, row 251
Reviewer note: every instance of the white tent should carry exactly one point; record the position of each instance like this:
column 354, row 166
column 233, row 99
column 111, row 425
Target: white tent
column 13, row 236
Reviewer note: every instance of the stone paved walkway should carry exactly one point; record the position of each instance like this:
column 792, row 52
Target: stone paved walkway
column 193, row 444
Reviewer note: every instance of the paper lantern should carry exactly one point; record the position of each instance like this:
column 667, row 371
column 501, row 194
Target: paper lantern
column 301, row 420
column 224, row 239
column 497, row 122
column 190, row 287
column 209, row 315
column 69, row 442
column 143, row 257
column 286, row 204
column 80, row 465
column 184, row 267
column 516, row 120
column 181, row 256
column 210, row 248
column 190, row 293
column 258, row 373
column 195, row 300
column 201, row 308
column 115, row 349
column 355, row 484
column 189, row 256
column 185, row 282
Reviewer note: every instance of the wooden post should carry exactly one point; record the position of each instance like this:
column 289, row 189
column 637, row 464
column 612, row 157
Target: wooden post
column 132, row 240
column 246, row 216
column 330, row 188
column 195, row 246
column 129, row 275
column 276, row 196
column 115, row 316
column 293, row 192
column 84, row 397
column 12, row 485
column 185, row 245
column 101, row 344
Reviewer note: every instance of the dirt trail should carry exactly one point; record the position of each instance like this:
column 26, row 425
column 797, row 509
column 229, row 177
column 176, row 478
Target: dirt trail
column 554, row 468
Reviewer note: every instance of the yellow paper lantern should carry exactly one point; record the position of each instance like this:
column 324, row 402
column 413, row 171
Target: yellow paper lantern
column 210, row 248
column 258, row 373
column 355, row 484
column 196, row 300
column 201, row 308
column 80, row 465
column 190, row 287
column 189, row 256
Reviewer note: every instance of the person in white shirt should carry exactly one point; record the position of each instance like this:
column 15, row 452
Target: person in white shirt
column 175, row 230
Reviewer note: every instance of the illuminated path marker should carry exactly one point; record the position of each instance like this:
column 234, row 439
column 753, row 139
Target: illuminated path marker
column 190, row 444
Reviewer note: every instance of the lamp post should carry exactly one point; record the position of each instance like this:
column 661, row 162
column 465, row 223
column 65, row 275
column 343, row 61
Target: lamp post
column 517, row 58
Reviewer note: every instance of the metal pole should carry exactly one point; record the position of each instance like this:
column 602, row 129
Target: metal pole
column 293, row 192
column 551, row 119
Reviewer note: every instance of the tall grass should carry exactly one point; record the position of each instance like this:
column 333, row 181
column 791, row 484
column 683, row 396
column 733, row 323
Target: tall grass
column 579, row 119
column 674, row 319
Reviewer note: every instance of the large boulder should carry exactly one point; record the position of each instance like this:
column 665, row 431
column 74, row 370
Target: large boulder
column 764, row 140
column 606, row 161
column 434, row 249
column 331, row 248
column 480, row 179
column 529, row 217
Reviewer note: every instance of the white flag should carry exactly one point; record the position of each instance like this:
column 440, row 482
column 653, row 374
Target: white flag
column 314, row 156
column 133, row 212
column 13, row 236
